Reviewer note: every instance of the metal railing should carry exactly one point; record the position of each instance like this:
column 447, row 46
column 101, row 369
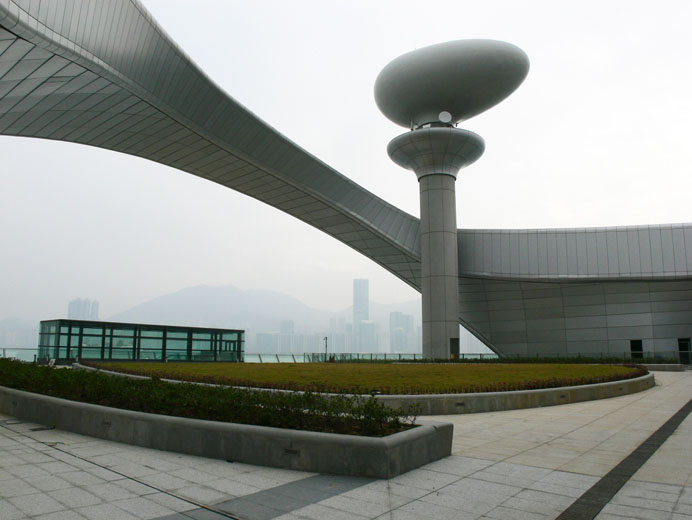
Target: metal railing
column 21, row 353
column 667, row 356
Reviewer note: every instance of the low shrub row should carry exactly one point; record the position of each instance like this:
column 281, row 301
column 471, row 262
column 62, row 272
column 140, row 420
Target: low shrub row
column 355, row 415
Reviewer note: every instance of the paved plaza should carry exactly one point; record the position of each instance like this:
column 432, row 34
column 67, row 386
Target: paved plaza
column 523, row 464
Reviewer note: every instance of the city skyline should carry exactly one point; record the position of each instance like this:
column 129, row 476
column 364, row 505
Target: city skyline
column 576, row 103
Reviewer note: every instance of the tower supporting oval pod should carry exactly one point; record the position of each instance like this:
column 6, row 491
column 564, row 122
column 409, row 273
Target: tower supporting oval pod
column 430, row 91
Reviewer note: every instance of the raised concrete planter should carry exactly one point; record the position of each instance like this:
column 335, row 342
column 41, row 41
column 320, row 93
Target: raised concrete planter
column 454, row 404
column 450, row 404
column 379, row 457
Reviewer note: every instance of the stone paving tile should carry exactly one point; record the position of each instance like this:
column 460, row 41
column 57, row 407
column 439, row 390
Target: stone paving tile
column 81, row 478
column 231, row 488
column 108, row 491
column 684, row 509
column 36, row 504
column 529, row 505
column 10, row 512
column 459, row 466
column 132, row 469
column 622, row 511
column 27, row 471
column 421, row 509
column 507, row 513
column 170, row 502
column 393, row 488
column 142, row 507
column 542, row 497
column 245, row 508
column 425, row 479
column 320, row 512
column 105, row 512
column 74, row 497
column 16, row 487
column 164, row 481
column 201, row 494
column 192, row 475
column 61, row 515
column 50, row 483
column 472, row 485
column 391, row 500
column 288, row 516
column 356, row 506
column 468, row 504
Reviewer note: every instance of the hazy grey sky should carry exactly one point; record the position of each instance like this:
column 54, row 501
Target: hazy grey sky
column 597, row 135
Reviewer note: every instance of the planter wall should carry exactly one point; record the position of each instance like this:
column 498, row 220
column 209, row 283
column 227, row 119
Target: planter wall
column 379, row 457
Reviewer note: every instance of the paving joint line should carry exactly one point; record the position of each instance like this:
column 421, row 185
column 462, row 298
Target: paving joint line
column 590, row 504
column 160, row 490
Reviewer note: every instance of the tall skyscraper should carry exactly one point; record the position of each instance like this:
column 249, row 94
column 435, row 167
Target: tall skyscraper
column 83, row 309
column 361, row 309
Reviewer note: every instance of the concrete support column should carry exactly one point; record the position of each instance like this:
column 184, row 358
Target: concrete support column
column 439, row 265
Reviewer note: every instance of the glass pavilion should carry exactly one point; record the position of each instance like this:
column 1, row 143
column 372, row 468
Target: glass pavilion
column 80, row 339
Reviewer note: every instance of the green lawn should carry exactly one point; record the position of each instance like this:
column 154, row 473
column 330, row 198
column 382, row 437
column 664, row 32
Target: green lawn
column 385, row 378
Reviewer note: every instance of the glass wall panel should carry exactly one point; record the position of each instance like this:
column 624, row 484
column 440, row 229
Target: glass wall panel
column 151, row 343
column 121, row 353
column 49, row 327
column 201, row 335
column 92, row 331
column 123, row 342
column 201, row 345
column 151, row 354
column 177, row 334
column 92, row 341
column 173, row 344
column 152, row 333
column 91, row 353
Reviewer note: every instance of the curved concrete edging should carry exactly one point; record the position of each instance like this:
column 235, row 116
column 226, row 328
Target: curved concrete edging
column 454, row 404
column 379, row 457
column 451, row 404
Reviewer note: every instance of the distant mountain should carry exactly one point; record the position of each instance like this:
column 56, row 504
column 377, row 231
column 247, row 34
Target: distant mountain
column 255, row 310
column 226, row 307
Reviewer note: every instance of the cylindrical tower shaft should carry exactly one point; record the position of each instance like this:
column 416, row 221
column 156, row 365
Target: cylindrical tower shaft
column 436, row 154
column 439, row 266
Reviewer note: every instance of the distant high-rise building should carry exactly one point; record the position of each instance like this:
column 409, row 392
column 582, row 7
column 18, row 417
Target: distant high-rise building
column 286, row 327
column 361, row 308
column 94, row 313
column 368, row 337
column 401, row 333
column 83, row 309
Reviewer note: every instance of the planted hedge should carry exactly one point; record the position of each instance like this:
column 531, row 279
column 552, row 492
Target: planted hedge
column 354, row 415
